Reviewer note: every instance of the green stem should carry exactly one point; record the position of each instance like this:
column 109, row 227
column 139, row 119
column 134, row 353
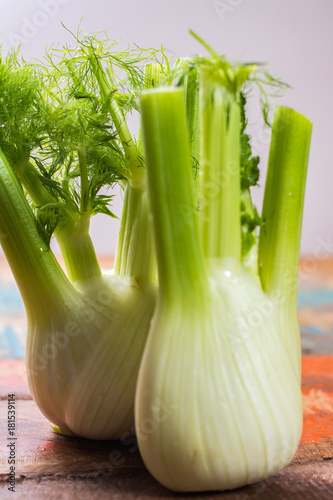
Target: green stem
column 204, row 44
column 75, row 244
column 84, row 180
column 180, row 259
column 135, row 255
column 220, row 172
column 153, row 76
column 31, row 181
column 280, row 235
column 41, row 281
column 131, row 151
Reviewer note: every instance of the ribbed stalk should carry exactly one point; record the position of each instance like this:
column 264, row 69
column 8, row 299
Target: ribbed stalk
column 191, row 88
column 219, row 172
column 280, row 236
column 154, row 73
column 180, row 259
column 39, row 277
column 77, row 249
column 135, row 254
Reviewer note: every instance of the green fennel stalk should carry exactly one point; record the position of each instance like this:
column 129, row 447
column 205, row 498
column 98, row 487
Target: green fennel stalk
column 41, row 280
column 280, row 236
column 220, row 173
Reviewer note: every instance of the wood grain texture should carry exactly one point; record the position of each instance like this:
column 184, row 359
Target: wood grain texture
column 53, row 466
column 309, row 482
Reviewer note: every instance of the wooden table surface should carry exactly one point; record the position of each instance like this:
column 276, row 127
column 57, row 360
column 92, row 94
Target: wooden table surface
column 50, row 466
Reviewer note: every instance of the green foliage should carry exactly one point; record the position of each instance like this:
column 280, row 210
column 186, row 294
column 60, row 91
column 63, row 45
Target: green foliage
column 122, row 67
column 22, row 109
column 237, row 76
column 54, row 119
column 249, row 223
column 249, row 163
column 250, row 219
column 56, row 116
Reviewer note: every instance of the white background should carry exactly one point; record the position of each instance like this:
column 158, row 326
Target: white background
column 293, row 36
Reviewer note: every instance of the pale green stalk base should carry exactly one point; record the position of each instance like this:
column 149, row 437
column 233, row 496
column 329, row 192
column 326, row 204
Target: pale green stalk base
column 41, row 281
column 82, row 364
column 135, row 254
column 220, row 173
column 78, row 250
column 280, row 235
column 218, row 405
column 181, row 265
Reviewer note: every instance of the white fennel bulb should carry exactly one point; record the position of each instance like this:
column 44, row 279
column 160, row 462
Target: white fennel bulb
column 237, row 401
column 85, row 340
column 83, row 357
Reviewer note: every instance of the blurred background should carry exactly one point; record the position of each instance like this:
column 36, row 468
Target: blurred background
column 294, row 38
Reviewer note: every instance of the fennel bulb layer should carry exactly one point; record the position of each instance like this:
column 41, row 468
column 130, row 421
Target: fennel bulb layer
column 235, row 405
column 84, row 341
column 82, row 359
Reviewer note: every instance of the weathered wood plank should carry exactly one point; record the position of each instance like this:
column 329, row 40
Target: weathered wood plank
column 317, row 388
column 40, row 450
column 50, row 465
column 296, row 482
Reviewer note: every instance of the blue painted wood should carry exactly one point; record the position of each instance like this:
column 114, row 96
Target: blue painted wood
column 10, row 299
column 315, row 298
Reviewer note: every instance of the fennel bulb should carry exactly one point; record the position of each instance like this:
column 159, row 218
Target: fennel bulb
column 84, row 342
column 223, row 351
column 83, row 356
